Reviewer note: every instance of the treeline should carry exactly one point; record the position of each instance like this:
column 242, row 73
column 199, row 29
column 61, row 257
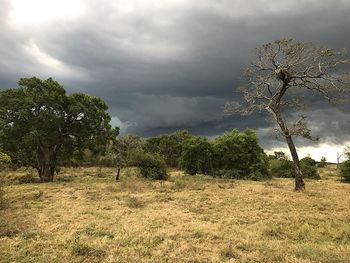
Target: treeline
column 235, row 155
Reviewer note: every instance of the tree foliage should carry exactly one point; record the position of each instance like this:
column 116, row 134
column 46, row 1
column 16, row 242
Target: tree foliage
column 241, row 153
column 345, row 166
column 232, row 155
column 169, row 146
column 39, row 121
column 283, row 168
column 197, row 156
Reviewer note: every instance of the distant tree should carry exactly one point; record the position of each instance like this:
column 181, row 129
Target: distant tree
column 279, row 155
column 275, row 80
column 128, row 148
column 323, row 162
column 197, row 156
column 339, row 155
column 38, row 121
column 169, row 146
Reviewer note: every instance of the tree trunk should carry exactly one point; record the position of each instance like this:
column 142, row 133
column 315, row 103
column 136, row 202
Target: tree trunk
column 118, row 174
column 46, row 163
column 299, row 183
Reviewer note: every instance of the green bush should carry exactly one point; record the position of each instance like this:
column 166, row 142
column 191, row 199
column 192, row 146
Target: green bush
column 5, row 160
column 309, row 168
column 283, row 168
column 151, row 166
column 345, row 170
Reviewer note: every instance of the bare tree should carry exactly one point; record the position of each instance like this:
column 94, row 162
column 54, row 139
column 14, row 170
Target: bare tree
column 275, row 82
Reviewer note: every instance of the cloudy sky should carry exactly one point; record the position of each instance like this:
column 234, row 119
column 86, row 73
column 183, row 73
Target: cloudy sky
column 170, row 64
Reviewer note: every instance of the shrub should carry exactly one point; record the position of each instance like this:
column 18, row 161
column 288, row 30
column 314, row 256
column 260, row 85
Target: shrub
column 345, row 170
column 309, row 168
column 5, row 160
column 281, row 168
column 151, row 166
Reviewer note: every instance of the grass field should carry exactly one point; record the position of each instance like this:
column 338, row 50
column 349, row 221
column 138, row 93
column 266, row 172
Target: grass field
column 85, row 216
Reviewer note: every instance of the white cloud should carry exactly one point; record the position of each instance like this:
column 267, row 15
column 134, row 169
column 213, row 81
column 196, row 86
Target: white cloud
column 329, row 151
column 43, row 12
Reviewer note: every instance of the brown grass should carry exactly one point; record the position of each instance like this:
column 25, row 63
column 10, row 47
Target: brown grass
column 85, row 216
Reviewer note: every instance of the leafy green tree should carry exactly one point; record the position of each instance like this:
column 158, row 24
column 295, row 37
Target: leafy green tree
column 39, row 120
column 323, row 162
column 241, row 154
column 169, row 146
column 197, row 156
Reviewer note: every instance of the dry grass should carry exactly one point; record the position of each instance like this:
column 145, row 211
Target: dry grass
column 85, row 216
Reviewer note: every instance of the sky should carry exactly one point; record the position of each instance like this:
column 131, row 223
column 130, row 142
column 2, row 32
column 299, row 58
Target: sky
column 173, row 64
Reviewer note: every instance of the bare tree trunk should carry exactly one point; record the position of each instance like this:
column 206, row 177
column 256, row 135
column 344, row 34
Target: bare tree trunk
column 118, row 174
column 46, row 163
column 299, row 182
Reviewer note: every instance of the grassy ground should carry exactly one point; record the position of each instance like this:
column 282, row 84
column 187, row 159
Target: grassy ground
column 85, row 216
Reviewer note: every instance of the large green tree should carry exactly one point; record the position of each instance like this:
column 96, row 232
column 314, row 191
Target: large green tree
column 39, row 120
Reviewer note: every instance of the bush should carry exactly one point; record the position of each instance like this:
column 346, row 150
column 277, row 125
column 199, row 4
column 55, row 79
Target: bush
column 5, row 160
column 281, row 168
column 309, row 168
column 151, row 166
column 345, row 170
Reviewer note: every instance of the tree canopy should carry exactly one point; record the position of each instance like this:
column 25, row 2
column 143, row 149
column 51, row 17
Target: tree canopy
column 38, row 120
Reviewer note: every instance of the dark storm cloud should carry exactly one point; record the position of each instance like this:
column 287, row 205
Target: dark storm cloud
column 167, row 65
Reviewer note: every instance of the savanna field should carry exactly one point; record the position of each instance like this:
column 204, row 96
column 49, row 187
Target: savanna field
column 86, row 216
